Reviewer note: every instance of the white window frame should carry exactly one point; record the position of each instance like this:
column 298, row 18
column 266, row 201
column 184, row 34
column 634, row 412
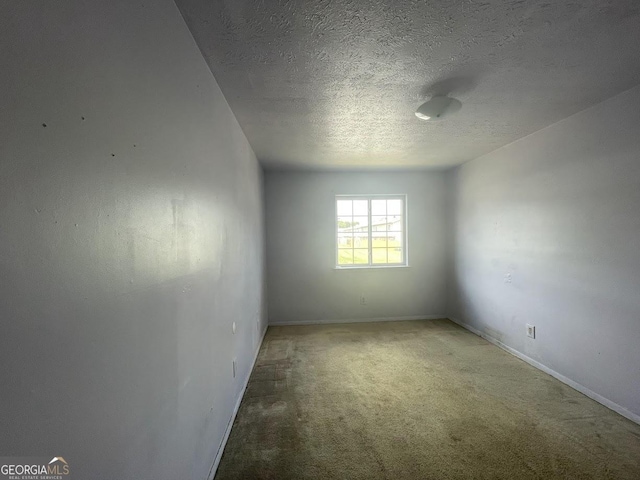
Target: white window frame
column 405, row 232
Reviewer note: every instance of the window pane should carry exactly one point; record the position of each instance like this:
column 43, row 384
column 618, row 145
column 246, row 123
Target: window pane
column 361, row 256
column 361, row 240
column 395, row 255
column 360, row 207
column 379, row 224
column 378, row 240
column 370, row 230
column 360, row 224
column 345, row 207
column 345, row 256
column 395, row 223
column 345, row 240
column 378, row 207
column 345, row 224
column 394, row 207
column 379, row 255
column 394, row 239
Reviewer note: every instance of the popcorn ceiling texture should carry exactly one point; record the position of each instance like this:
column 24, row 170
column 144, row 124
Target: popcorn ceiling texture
column 333, row 84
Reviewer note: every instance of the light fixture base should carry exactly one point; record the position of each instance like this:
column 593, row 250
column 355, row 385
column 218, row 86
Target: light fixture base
column 438, row 108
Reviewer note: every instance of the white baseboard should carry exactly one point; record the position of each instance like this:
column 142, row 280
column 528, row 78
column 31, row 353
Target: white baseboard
column 567, row 381
column 227, row 432
column 357, row 320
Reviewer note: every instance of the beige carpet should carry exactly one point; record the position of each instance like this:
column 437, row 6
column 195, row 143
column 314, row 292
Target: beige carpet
column 416, row 400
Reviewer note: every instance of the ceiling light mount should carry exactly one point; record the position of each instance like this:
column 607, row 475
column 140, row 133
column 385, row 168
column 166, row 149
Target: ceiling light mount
column 438, row 108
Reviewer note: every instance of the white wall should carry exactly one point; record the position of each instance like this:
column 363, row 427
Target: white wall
column 546, row 231
column 131, row 238
column 305, row 287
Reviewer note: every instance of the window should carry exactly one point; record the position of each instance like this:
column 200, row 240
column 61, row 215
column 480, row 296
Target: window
column 371, row 231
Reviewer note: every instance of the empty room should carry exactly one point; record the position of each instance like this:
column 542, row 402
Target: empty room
column 319, row 239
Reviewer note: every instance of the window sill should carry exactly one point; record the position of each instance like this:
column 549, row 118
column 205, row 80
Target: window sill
column 371, row 267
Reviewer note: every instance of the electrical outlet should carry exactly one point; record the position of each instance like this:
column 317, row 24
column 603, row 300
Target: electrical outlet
column 531, row 331
column 234, row 368
column 363, row 300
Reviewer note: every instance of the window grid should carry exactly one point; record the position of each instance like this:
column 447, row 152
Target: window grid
column 383, row 226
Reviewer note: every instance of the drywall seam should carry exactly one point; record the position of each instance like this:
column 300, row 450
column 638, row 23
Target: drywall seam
column 540, row 366
column 227, row 432
column 358, row 320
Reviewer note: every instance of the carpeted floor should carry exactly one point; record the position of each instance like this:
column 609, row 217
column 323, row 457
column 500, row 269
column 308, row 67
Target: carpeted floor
column 416, row 400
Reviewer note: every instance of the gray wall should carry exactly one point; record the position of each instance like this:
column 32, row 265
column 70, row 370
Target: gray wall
column 545, row 231
column 305, row 287
column 131, row 238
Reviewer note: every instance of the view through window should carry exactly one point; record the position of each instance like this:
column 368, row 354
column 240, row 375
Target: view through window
column 371, row 231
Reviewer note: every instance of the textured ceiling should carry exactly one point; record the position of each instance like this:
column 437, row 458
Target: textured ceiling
column 334, row 84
